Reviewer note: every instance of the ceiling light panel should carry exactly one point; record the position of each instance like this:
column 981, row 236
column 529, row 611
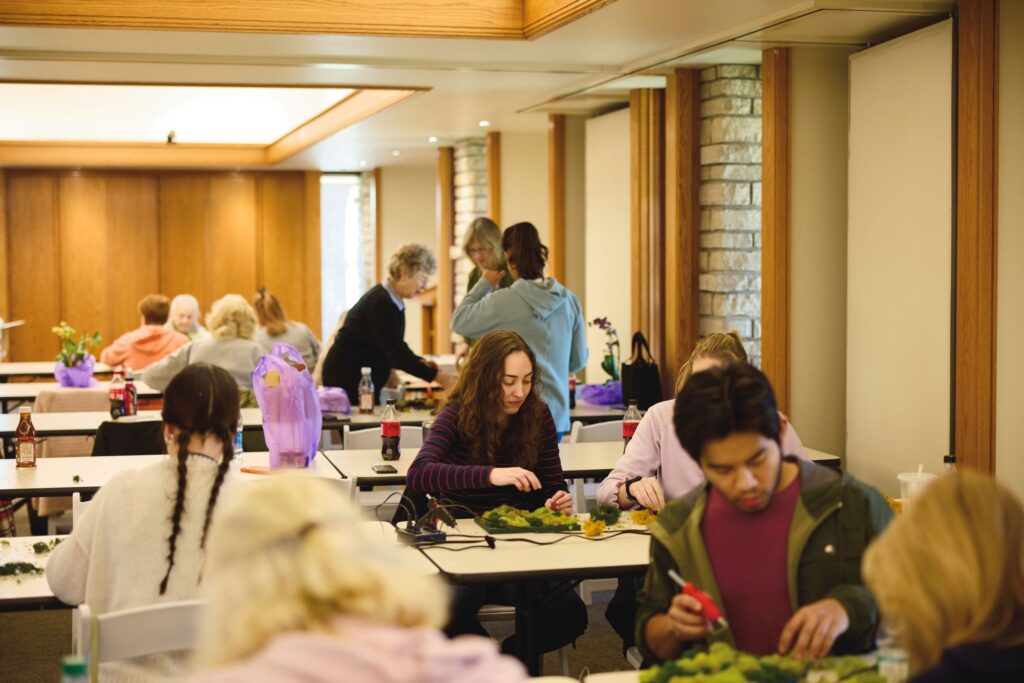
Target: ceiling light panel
column 143, row 113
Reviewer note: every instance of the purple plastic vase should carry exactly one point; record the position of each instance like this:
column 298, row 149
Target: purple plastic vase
column 78, row 375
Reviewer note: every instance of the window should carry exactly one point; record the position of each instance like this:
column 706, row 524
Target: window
column 343, row 267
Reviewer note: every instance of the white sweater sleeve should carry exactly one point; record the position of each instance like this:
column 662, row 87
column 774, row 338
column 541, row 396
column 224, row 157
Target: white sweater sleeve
column 67, row 570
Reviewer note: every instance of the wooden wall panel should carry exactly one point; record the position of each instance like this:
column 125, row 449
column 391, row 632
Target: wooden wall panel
column 494, row 176
column 281, row 271
column 133, row 241
column 5, row 301
column 85, row 253
column 445, row 237
column 556, row 197
column 184, row 205
column 310, row 266
column 775, row 251
column 232, row 237
column 976, row 230
column 682, row 221
column 34, row 264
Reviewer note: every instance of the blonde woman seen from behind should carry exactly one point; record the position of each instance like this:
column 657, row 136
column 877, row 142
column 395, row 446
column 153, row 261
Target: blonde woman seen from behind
column 300, row 589
column 949, row 577
column 232, row 326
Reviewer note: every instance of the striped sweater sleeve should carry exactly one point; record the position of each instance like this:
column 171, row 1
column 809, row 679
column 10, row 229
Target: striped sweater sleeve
column 434, row 471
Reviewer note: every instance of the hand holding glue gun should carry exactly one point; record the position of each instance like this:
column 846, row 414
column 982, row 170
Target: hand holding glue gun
column 696, row 603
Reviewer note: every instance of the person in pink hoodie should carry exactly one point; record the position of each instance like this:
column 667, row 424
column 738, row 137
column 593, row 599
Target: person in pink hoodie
column 300, row 589
column 148, row 343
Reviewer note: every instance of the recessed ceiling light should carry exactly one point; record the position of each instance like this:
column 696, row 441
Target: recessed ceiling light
column 432, row 138
column 396, row 153
column 362, row 164
column 485, row 124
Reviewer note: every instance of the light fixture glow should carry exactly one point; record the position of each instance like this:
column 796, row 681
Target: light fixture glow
column 432, row 138
column 396, row 153
column 362, row 164
column 485, row 124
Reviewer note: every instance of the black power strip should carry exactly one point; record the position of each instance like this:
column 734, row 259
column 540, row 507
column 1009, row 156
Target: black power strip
column 421, row 536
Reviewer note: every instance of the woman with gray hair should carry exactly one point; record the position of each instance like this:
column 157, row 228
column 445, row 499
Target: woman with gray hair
column 232, row 324
column 373, row 334
column 184, row 318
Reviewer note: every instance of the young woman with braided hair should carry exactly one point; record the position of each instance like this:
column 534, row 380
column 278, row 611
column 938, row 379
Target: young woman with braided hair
column 141, row 540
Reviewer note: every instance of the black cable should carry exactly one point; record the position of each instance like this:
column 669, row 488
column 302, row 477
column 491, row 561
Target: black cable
column 340, row 473
column 404, row 502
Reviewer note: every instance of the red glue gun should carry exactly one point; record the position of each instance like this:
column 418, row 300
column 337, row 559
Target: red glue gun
column 707, row 606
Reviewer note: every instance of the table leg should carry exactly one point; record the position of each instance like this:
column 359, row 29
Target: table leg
column 527, row 645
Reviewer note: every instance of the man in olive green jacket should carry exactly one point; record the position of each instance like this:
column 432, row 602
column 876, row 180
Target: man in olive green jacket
column 784, row 536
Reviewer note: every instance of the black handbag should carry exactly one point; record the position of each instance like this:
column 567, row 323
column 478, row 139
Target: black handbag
column 640, row 379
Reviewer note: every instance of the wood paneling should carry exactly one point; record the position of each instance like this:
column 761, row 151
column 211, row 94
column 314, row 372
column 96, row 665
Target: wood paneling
column 494, row 176
column 232, row 236
column 33, row 264
column 682, row 221
column 647, row 144
column 556, row 196
column 311, row 268
column 85, row 253
column 5, row 301
column 282, row 240
column 543, row 16
column 976, row 230
column 455, row 18
column 445, row 237
column 775, row 251
column 133, row 238
column 184, row 208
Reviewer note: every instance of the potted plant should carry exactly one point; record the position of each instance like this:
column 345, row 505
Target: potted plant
column 75, row 360
column 609, row 393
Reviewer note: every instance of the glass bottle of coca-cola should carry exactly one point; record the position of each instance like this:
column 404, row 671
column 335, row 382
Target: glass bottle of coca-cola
column 629, row 422
column 117, row 396
column 26, row 433
column 572, row 391
column 390, row 432
column 366, row 392
column 131, row 394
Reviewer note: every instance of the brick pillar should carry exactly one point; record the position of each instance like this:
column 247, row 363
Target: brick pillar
column 730, row 198
column 470, row 202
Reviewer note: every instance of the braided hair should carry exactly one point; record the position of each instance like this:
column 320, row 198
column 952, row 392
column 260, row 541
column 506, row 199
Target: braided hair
column 201, row 400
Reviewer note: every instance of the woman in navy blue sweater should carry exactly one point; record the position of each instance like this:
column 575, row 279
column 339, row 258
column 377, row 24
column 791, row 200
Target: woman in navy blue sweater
column 495, row 443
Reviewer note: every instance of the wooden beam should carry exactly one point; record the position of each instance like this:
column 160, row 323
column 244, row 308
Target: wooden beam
column 544, row 16
column 5, row 285
column 647, row 125
column 556, row 196
column 494, row 176
column 312, row 277
column 976, row 231
column 378, row 231
column 775, row 247
column 682, row 221
column 445, row 237
column 452, row 18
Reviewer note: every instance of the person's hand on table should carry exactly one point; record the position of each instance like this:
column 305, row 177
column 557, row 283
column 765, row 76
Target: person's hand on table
column 560, row 502
column 493, row 276
column 522, row 479
column 445, row 380
column 811, row 632
column 685, row 618
column 648, row 493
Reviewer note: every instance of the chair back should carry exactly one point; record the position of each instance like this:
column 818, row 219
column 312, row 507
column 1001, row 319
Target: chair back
column 360, row 439
column 602, row 431
column 117, row 437
column 110, row 637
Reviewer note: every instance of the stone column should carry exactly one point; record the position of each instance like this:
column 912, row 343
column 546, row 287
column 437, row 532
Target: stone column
column 470, row 202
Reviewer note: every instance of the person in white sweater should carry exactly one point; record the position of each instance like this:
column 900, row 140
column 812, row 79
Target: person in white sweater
column 276, row 327
column 232, row 323
column 141, row 540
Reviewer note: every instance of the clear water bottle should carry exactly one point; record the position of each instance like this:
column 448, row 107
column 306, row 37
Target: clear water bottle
column 73, row 670
column 238, row 439
column 366, row 393
column 629, row 422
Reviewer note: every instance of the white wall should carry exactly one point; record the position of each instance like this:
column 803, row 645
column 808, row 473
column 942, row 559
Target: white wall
column 608, row 233
column 819, row 113
column 899, row 256
column 1010, row 283
column 524, row 180
column 408, row 214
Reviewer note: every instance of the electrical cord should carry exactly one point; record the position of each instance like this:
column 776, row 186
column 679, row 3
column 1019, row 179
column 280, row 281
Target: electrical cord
column 404, row 502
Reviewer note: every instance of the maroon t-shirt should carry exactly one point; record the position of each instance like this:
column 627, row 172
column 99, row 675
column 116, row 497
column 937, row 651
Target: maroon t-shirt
column 748, row 556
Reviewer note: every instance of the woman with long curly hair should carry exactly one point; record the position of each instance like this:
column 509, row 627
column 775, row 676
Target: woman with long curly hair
column 141, row 541
column 495, row 444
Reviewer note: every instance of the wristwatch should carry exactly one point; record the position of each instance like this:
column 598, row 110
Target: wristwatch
column 629, row 494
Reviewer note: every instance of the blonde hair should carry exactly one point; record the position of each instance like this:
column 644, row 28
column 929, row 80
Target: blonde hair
column 725, row 346
column 411, row 258
column 231, row 318
column 291, row 553
column 269, row 312
column 487, row 234
column 948, row 571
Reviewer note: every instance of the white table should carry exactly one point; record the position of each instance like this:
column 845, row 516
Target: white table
column 585, row 413
column 614, row 677
column 44, row 368
column 56, row 476
column 29, row 591
column 20, row 392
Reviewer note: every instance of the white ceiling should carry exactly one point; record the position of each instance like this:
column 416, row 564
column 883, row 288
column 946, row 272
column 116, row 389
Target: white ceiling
column 506, row 82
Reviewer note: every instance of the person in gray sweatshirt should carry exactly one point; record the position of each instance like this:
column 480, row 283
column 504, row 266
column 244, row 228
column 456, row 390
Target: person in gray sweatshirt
column 539, row 309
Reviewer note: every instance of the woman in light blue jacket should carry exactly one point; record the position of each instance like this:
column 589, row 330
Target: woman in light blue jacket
column 539, row 309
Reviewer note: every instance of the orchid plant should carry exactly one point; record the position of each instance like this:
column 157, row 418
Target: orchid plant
column 610, row 362
column 74, row 352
